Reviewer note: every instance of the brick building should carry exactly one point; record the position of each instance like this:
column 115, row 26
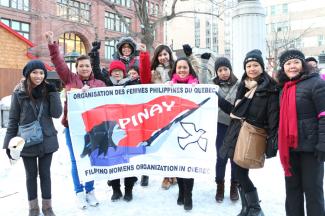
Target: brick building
column 75, row 23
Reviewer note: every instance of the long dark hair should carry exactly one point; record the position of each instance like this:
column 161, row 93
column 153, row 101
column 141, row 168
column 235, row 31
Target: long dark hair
column 192, row 71
column 158, row 50
column 283, row 78
column 29, row 88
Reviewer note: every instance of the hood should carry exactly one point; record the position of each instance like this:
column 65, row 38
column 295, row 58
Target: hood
column 125, row 40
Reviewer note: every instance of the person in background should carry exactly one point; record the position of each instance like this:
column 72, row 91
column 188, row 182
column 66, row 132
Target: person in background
column 313, row 64
column 127, row 52
column 301, row 134
column 83, row 79
column 228, row 85
column 257, row 103
column 207, row 73
column 183, row 73
column 28, row 97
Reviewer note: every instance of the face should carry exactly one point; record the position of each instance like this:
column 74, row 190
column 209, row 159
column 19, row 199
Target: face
column 182, row 69
column 126, row 50
column 292, row 68
column 163, row 57
column 253, row 69
column 133, row 74
column 223, row 73
column 36, row 77
column 117, row 74
column 312, row 64
column 84, row 68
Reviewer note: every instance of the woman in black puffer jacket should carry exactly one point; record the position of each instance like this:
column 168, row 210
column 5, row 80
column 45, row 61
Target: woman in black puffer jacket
column 256, row 103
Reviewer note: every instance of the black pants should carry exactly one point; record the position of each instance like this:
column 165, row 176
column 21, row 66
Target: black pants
column 306, row 181
column 33, row 166
column 243, row 179
column 128, row 182
column 185, row 186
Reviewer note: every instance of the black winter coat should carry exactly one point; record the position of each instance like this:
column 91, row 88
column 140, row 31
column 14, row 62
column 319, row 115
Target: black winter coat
column 22, row 113
column 310, row 102
column 263, row 112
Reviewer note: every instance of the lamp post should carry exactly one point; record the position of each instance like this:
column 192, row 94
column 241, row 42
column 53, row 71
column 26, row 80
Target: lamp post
column 70, row 58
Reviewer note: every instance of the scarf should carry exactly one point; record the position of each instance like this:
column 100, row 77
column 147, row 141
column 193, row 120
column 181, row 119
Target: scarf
column 242, row 104
column 288, row 125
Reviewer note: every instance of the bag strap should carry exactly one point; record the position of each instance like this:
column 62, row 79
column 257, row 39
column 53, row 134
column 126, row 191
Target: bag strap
column 35, row 111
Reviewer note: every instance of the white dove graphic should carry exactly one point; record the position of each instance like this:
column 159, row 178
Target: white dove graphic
column 194, row 137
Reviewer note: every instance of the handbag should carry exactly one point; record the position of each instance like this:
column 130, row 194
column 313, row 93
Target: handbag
column 32, row 132
column 250, row 147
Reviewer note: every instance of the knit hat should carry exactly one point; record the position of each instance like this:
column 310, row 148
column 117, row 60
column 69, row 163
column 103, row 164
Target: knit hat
column 291, row 54
column 254, row 55
column 116, row 64
column 222, row 61
column 32, row 65
column 309, row 59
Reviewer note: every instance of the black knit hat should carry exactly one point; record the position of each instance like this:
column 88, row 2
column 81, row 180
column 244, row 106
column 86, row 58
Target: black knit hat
column 291, row 54
column 309, row 59
column 254, row 55
column 32, row 65
column 222, row 61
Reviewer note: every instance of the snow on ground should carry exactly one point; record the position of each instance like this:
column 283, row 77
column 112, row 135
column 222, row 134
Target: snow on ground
column 147, row 201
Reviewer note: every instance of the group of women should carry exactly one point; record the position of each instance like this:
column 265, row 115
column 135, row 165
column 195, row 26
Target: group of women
column 291, row 110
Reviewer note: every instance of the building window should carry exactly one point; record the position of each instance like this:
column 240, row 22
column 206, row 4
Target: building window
column 157, row 9
column 197, row 32
column 110, row 48
column 74, row 10
column 20, row 27
column 17, row 4
column 285, row 8
column 273, row 10
column 321, row 40
column 123, row 28
column 208, row 42
column 113, row 23
column 72, row 42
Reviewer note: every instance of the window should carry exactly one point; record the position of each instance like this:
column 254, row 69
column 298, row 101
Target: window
column 197, row 32
column 208, row 42
column 321, row 40
column 20, row 27
column 74, row 10
column 16, row 4
column 273, row 9
column 72, row 42
column 285, row 8
column 109, row 48
column 113, row 22
column 157, row 9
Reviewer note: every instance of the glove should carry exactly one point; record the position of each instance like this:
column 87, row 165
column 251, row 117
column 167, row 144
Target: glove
column 96, row 46
column 320, row 155
column 8, row 153
column 51, row 87
column 187, row 49
column 272, row 147
column 206, row 56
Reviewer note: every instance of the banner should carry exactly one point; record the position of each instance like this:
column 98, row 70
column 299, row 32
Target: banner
column 167, row 130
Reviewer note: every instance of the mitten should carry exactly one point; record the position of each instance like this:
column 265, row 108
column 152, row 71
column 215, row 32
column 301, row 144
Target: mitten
column 320, row 155
column 206, row 56
column 187, row 49
column 15, row 146
column 51, row 87
column 8, row 153
column 272, row 146
column 96, row 46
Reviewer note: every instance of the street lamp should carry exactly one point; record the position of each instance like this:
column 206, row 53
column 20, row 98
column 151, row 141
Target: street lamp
column 70, row 58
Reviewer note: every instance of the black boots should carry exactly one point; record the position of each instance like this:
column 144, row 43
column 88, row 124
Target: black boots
column 128, row 193
column 220, row 191
column 253, row 203
column 180, row 199
column 144, row 180
column 234, row 191
column 185, row 187
column 117, row 193
column 243, row 211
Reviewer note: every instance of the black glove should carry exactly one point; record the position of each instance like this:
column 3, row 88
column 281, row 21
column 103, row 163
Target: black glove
column 320, row 155
column 206, row 56
column 272, row 146
column 8, row 153
column 51, row 87
column 96, row 46
column 187, row 49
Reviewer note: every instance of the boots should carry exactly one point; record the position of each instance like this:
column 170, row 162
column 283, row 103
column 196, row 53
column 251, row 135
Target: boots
column 220, row 191
column 234, row 191
column 253, row 203
column 144, row 180
column 166, row 183
column 243, row 211
column 129, row 183
column 47, row 207
column 188, row 187
column 180, row 199
column 33, row 207
column 117, row 193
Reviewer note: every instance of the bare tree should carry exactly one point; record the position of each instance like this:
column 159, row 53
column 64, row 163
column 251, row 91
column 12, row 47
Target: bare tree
column 150, row 23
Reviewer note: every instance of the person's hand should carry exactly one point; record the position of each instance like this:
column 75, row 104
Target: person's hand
column 206, row 56
column 51, row 87
column 187, row 49
column 49, row 37
column 142, row 47
column 8, row 154
column 85, row 88
column 320, row 155
column 271, row 148
column 96, row 46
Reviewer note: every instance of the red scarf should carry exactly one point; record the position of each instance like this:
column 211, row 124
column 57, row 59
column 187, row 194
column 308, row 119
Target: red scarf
column 288, row 125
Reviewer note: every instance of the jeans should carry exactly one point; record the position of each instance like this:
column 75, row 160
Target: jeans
column 78, row 187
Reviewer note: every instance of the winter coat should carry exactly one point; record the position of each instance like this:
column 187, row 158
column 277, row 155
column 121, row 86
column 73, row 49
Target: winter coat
column 228, row 91
column 310, row 102
column 21, row 113
column 161, row 74
column 70, row 80
column 263, row 112
column 195, row 64
column 130, row 60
